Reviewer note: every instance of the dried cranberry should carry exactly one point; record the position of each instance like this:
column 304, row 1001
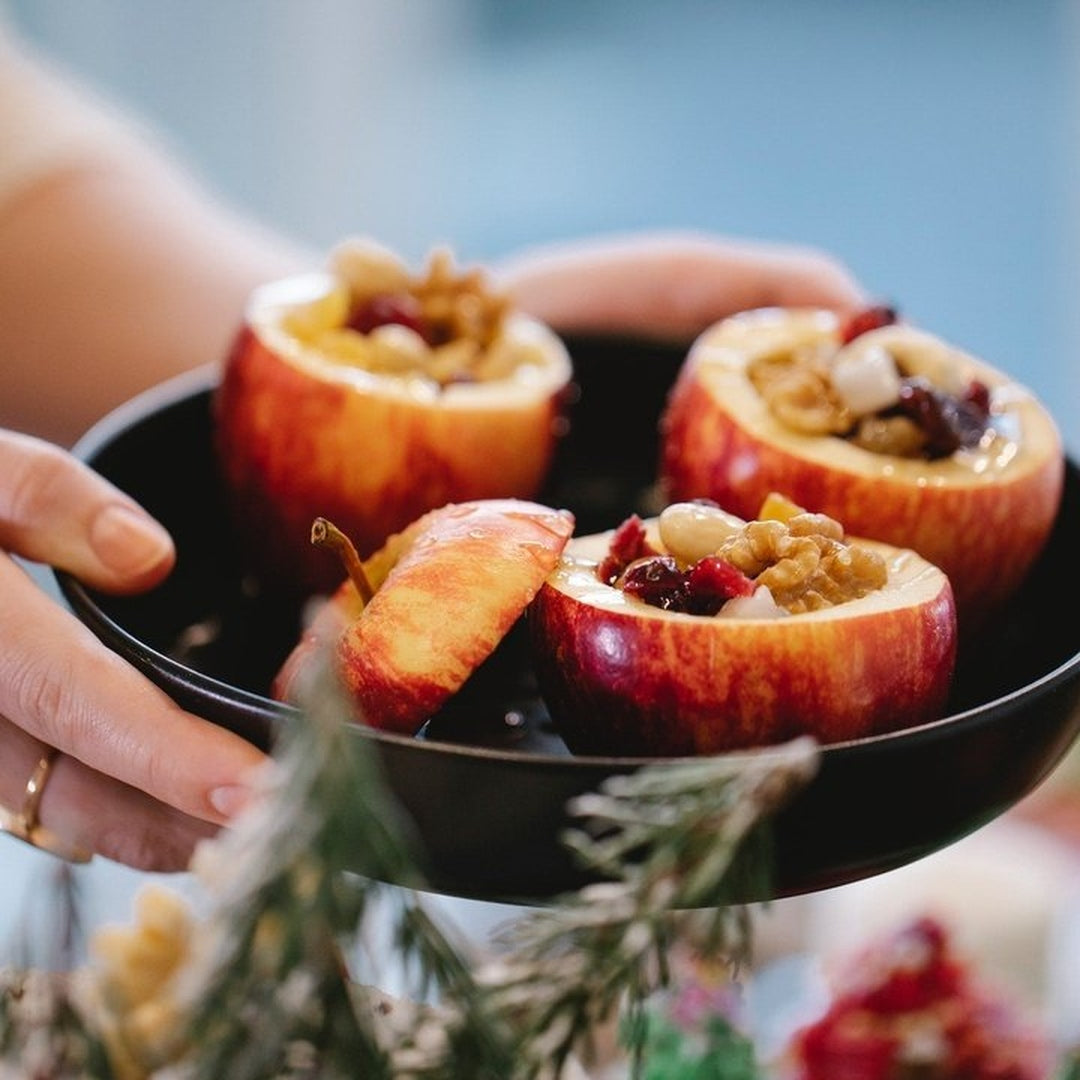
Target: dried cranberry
column 870, row 318
column 657, row 580
column 711, row 582
column 385, row 309
column 977, row 394
column 628, row 543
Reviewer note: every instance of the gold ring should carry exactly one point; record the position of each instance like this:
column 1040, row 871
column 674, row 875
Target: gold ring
column 26, row 825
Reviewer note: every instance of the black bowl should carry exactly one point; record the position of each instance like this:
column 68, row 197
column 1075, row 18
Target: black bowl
column 488, row 779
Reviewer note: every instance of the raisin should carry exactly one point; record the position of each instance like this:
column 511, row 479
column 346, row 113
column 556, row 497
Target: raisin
column 947, row 423
column 967, row 421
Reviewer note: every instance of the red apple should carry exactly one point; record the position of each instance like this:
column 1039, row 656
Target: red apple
column 624, row 677
column 369, row 395
column 981, row 513
column 445, row 592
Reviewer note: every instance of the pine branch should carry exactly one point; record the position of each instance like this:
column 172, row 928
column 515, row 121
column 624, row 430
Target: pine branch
column 668, row 835
column 272, row 986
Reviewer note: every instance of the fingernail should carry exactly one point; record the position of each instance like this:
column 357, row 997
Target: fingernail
column 127, row 541
column 229, row 799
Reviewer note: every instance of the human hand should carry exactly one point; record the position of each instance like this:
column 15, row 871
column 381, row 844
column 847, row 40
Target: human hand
column 670, row 285
column 135, row 778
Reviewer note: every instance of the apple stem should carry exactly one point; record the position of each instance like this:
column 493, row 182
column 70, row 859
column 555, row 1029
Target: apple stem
column 326, row 534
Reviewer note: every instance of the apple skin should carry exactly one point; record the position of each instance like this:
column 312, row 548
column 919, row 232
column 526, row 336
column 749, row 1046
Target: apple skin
column 623, row 678
column 984, row 529
column 446, row 591
column 297, row 439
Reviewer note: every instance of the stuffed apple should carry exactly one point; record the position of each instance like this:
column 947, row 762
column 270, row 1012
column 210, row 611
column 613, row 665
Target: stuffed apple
column 370, row 394
column 698, row 632
column 412, row 622
column 878, row 424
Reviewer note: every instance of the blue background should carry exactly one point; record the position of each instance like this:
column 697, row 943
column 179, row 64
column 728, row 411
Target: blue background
column 930, row 144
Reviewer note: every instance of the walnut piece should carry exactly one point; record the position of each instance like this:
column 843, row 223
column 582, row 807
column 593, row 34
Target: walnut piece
column 798, row 390
column 805, row 563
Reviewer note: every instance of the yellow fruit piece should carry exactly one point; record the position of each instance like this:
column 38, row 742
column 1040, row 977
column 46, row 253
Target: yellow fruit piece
column 326, row 312
column 777, row 507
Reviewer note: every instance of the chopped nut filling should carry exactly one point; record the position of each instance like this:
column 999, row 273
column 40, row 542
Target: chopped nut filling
column 444, row 325
column 803, row 561
column 882, row 386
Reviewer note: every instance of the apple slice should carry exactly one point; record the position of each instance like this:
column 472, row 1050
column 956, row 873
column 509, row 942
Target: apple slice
column 369, row 395
column 625, row 677
column 444, row 593
column 977, row 498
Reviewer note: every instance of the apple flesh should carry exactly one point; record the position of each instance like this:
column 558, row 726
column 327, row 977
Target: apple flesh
column 621, row 677
column 982, row 515
column 446, row 591
column 303, row 428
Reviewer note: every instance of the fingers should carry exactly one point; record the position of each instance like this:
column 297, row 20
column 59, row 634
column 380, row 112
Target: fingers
column 56, row 510
column 64, row 688
column 139, row 780
column 671, row 285
column 91, row 813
